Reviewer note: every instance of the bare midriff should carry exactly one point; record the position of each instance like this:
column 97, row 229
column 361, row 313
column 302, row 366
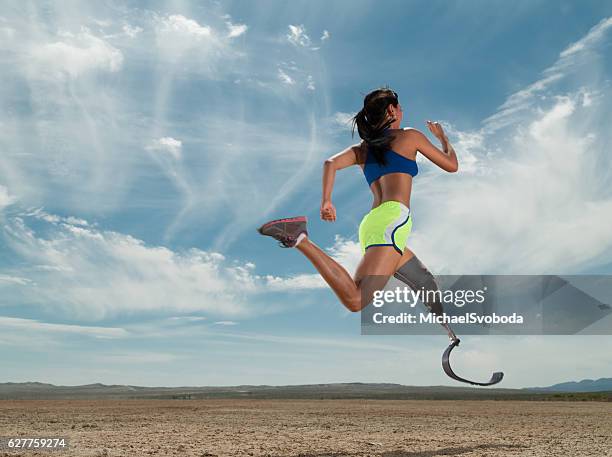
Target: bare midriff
column 394, row 186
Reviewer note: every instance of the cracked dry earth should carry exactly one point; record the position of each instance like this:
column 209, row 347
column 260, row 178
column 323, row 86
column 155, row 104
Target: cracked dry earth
column 311, row 428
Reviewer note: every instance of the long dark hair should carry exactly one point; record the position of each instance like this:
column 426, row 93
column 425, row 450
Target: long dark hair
column 372, row 121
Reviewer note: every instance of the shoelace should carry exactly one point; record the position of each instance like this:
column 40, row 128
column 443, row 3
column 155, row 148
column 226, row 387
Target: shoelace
column 287, row 243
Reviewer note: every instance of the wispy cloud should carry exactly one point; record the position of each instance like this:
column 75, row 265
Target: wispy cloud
column 5, row 198
column 200, row 48
column 167, row 145
column 72, row 55
column 102, row 138
column 297, row 36
column 14, row 280
column 595, row 35
column 536, row 201
column 310, row 84
column 131, row 31
column 572, row 60
column 138, row 357
column 78, row 270
column 91, row 274
column 342, row 120
column 284, row 77
column 38, row 326
column 235, row 30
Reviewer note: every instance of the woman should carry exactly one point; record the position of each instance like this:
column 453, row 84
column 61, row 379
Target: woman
column 387, row 156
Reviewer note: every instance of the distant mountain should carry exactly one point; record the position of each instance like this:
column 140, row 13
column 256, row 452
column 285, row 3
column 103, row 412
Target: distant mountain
column 34, row 390
column 586, row 385
column 355, row 390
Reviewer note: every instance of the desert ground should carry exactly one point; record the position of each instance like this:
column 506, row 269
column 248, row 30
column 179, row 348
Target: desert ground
column 312, row 428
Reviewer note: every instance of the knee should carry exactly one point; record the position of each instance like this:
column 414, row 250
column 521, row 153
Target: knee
column 416, row 275
column 353, row 303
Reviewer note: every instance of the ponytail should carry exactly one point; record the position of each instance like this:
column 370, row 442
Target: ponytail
column 371, row 122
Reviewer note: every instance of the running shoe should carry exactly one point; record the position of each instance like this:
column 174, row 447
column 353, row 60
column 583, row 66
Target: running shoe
column 285, row 231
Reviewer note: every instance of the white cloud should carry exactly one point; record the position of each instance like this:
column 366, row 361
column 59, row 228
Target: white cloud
column 235, row 30
column 14, row 280
column 72, row 56
column 36, row 325
column 199, row 47
column 297, row 36
column 325, row 35
column 178, row 25
column 541, row 207
column 297, row 282
column 310, row 85
column 289, row 73
column 285, row 78
column 589, row 97
column 131, row 31
column 513, row 107
column 41, row 214
column 86, row 150
column 167, row 145
column 346, row 252
column 91, row 274
column 75, row 221
column 342, row 120
column 5, row 198
column 138, row 357
column 284, row 176
column 471, row 145
column 589, row 40
column 177, row 35
column 573, row 60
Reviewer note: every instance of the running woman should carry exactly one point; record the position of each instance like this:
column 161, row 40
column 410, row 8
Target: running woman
column 387, row 156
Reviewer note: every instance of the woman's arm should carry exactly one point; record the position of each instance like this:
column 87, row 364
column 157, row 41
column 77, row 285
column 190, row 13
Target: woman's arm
column 445, row 159
column 350, row 156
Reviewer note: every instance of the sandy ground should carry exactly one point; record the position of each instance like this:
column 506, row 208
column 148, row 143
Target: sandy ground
column 337, row 428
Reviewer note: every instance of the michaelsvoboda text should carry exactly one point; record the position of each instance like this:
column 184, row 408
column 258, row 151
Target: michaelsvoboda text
column 469, row 318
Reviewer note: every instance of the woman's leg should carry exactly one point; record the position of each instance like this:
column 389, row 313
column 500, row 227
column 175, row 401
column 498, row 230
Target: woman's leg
column 376, row 267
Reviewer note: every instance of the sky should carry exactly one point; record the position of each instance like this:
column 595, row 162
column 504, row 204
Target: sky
column 141, row 144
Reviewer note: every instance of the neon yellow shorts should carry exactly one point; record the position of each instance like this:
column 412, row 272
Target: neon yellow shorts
column 388, row 224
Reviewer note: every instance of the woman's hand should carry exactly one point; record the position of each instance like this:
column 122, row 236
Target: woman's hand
column 437, row 130
column 328, row 212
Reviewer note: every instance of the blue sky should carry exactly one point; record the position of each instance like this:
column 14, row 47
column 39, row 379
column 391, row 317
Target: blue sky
column 141, row 144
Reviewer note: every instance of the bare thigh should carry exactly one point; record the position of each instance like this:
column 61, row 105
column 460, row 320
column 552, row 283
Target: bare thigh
column 376, row 267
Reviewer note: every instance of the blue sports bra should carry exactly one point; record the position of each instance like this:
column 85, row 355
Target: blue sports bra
column 396, row 163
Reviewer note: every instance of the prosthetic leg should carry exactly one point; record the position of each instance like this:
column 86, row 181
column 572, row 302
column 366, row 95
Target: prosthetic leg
column 416, row 276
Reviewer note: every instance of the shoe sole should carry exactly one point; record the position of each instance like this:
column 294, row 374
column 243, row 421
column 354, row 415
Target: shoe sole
column 290, row 219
